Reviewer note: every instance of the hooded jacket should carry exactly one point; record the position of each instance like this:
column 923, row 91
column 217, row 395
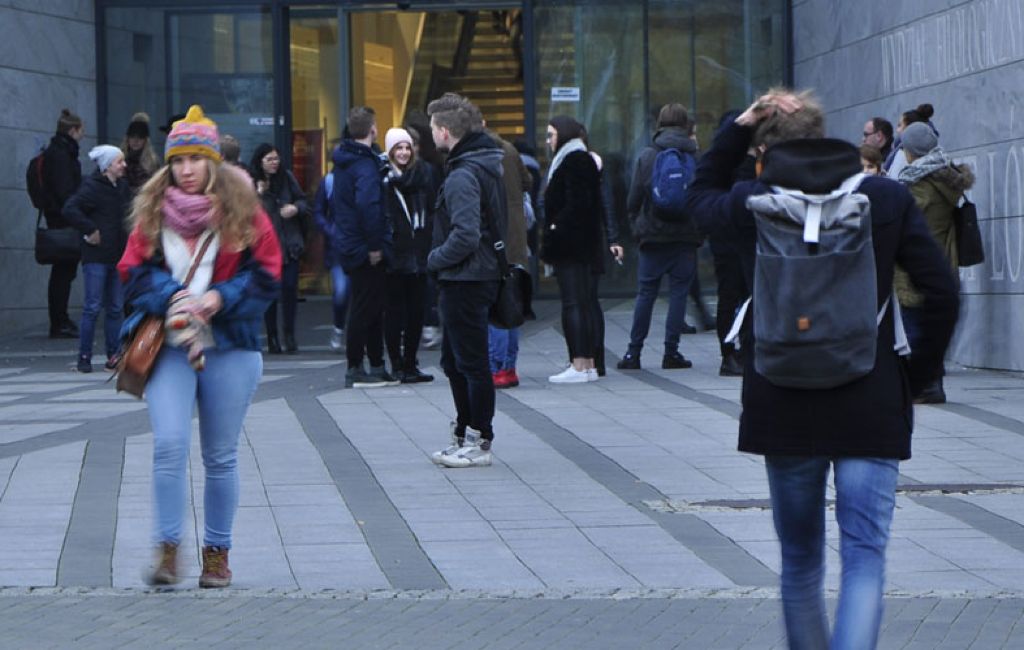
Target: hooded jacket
column 937, row 195
column 62, row 174
column 463, row 240
column 360, row 223
column 100, row 205
column 871, row 416
column 648, row 228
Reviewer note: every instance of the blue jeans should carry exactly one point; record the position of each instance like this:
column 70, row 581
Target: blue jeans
column 222, row 392
column 339, row 295
column 502, row 348
column 102, row 291
column 678, row 261
column 865, row 498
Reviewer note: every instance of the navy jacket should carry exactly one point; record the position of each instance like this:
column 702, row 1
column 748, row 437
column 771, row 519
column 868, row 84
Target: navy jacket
column 871, row 416
column 358, row 212
column 100, row 205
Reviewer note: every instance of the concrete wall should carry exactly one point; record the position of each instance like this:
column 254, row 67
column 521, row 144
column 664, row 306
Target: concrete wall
column 966, row 58
column 47, row 62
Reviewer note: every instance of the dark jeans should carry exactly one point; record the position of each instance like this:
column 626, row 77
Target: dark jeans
column 403, row 318
column 59, row 292
column 464, row 357
column 102, row 291
column 365, row 332
column 912, row 326
column 732, row 289
column 582, row 318
column 430, row 311
column 289, row 300
column 678, row 261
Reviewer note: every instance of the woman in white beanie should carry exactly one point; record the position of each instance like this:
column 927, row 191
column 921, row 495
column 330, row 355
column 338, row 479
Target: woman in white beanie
column 98, row 210
column 406, row 201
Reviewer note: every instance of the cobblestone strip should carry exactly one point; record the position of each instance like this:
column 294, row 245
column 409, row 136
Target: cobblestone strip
column 1006, row 531
column 717, row 550
column 392, row 543
column 86, row 557
column 985, row 417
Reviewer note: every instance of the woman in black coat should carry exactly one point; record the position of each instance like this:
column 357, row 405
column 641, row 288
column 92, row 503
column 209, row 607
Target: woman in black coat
column 286, row 205
column 574, row 243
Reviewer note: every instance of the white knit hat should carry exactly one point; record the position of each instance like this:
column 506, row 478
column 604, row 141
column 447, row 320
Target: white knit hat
column 396, row 136
column 104, row 155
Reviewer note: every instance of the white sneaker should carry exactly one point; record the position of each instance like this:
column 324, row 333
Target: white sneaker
column 447, row 451
column 468, row 456
column 592, row 374
column 431, row 337
column 337, row 340
column 571, row 376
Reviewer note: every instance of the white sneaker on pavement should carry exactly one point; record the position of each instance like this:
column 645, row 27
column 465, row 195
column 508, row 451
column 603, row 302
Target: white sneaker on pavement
column 337, row 340
column 592, row 374
column 468, row 456
column 571, row 376
column 447, row 451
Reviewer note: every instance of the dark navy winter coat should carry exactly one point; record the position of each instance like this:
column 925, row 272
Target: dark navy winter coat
column 358, row 212
column 100, row 205
column 871, row 416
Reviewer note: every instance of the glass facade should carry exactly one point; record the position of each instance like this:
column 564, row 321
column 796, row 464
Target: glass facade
column 286, row 72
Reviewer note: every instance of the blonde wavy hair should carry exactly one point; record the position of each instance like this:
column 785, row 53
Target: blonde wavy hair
column 234, row 201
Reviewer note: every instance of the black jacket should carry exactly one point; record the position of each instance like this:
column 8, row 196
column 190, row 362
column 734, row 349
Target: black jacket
column 574, row 214
column 463, row 241
column 284, row 189
column 648, row 228
column 411, row 222
column 62, row 174
column 871, row 416
column 100, row 205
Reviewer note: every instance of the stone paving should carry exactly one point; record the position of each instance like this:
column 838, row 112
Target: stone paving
column 617, row 514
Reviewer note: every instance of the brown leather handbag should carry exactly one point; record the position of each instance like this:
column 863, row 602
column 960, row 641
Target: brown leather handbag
column 140, row 352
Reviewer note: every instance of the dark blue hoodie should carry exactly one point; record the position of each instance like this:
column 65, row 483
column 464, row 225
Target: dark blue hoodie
column 360, row 223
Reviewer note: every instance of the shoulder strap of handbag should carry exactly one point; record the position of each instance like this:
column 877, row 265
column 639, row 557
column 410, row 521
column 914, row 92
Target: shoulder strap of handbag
column 199, row 258
column 492, row 227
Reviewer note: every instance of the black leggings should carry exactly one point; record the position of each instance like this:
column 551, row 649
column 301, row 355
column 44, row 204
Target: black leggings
column 289, row 301
column 582, row 318
column 403, row 318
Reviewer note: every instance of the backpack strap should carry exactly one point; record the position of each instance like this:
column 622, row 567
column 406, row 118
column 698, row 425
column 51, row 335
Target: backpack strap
column 812, row 224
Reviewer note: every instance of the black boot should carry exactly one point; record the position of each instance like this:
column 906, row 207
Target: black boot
column 732, row 365
column 273, row 345
column 290, row 346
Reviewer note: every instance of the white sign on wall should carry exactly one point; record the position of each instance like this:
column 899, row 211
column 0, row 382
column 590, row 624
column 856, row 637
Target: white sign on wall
column 565, row 94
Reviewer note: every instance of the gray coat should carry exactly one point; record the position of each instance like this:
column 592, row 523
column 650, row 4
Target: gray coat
column 648, row 228
column 463, row 244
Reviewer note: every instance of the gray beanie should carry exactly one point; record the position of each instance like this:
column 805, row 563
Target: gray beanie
column 919, row 138
column 104, row 154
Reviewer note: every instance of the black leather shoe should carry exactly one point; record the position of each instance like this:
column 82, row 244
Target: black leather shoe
column 273, row 345
column 688, row 329
column 415, row 376
column 731, row 366
column 675, row 361
column 629, row 361
column 290, row 346
column 65, row 331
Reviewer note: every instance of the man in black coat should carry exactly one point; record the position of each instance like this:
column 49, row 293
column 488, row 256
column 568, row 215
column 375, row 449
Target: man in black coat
column 62, row 174
column 861, row 428
column 472, row 199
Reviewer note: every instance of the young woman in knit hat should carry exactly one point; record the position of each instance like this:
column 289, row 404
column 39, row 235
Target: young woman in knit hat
column 192, row 202
column 138, row 152
column 97, row 210
column 406, row 202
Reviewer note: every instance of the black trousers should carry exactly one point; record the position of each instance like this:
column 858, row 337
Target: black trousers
column 59, row 292
column 732, row 289
column 403, row 318
column 364, row 335
column 464, row 356
column 582, row 317
column 289, row 300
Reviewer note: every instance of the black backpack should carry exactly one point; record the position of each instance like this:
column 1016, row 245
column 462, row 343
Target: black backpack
column 41, row 199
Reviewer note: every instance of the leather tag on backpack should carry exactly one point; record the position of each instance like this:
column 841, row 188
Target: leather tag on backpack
column 803, row 324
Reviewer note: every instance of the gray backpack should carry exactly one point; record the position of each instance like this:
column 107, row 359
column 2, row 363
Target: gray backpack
column 815, row 304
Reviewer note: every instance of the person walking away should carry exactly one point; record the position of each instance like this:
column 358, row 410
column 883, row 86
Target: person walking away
column 324, row 220
column 62, row 174
column 197, row 210
column 139, row 156
column 470, row 208
column 364, row 248
column 285, row 203
column 803, row 422
column 503, row 344
column 574, row 242
column 668, row 237
column 937, row 185
column 98, row 210
column 406, row 195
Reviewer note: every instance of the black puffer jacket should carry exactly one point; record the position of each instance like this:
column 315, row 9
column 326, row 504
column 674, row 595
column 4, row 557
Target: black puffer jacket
column 648, row 228
column 100, row 205
column 62, row 174
column 574, row 213
column 411, row 221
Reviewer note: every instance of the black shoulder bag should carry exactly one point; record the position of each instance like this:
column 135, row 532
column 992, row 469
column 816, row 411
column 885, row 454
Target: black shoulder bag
column 969, row 248
column 507, row 311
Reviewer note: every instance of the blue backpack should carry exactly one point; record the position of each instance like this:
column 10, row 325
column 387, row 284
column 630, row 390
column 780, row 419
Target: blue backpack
column 673, row 173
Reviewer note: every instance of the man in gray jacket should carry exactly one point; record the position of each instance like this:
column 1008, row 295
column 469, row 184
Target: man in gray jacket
column 471, row 206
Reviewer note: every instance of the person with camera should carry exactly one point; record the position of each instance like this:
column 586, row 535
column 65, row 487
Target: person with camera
column 363, row 246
